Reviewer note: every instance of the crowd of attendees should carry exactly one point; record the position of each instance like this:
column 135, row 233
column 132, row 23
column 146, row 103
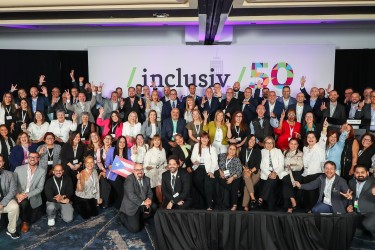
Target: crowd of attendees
column 217, row 151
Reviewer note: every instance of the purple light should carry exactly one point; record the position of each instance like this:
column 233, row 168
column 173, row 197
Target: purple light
column 19, row 26
column 238, row 23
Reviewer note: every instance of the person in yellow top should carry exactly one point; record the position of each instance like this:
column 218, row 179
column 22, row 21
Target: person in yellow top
column 217, row 130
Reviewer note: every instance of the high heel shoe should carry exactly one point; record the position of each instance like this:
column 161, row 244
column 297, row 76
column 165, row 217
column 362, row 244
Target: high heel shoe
column 246, row 208
column 234, row 208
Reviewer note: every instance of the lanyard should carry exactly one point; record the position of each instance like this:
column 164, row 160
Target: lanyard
column 49, row 155
column 23, row 116
column 58, row 188
column 227, row 162
column 8, row 110
column 291, row 129
column 113, row 128
column 248, row 155
column 83, row 129
column 75, row 151
column 197, row 130
column 239, row 130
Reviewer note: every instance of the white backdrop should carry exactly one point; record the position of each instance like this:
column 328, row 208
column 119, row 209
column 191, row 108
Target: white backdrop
column 177, row 66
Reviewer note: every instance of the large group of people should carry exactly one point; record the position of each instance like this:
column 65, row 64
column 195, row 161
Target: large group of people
column 217, row 151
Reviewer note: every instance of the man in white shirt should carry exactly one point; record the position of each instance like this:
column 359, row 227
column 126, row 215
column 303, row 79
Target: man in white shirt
column 331, row 190
column 62, row 127
column 286, row 99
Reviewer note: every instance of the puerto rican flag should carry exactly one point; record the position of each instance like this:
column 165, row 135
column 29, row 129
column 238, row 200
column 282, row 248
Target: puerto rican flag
column 120, row 166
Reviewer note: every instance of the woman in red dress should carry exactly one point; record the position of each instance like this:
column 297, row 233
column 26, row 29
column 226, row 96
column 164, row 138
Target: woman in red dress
column 287, row 129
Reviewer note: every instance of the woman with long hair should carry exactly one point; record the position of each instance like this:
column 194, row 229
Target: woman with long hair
column 38, row 128
column 183, row 152
column 111, row 126
column 139, row 149
column 250, row 157
column 349, row 156
column 287, row 129
column 309, row 125
column 72, row 155
column 205, row 163
column 293, row 165
column 151, row 126
column 87, row 192
column 155, row 164
column 217, row 130
column 228, row 176
column 155, row 104
column 117, row 185
column 131, row 128
column 22, row 118
column 6, row 144
column 238, row 130
column 195, row 128
column 188, row 109
column 19, row 154
column 7, row 109
column 366, row 150
column 49, row 153
column 101, row 154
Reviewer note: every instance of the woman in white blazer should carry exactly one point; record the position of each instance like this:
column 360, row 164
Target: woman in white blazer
column 205, row 163
column 272, row 171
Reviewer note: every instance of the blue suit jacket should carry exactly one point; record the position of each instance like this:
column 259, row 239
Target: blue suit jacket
column 292, row 101
column 167, row 108
column 278, row 109
column 42, row 104
column 215, row 105
column 16, row 155
column 167, row 129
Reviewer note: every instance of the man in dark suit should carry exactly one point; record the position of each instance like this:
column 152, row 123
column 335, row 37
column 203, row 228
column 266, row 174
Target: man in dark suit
column 352, row 105
column 167, row 92
column 334, row 111
column 272, row 106
column 300, row 107
column 210, row 104
column 364, row 112
column 137, row 201
column 363, row 199
column 175, row 186
column 172, row 126
column 229, row 105
column 192, row 93
column 133, row 103
column 311, row 99
column 331, row 190
column 248, row 106
column 238, row 94
column 169, row 105
column 39, row 102
column 286, row 99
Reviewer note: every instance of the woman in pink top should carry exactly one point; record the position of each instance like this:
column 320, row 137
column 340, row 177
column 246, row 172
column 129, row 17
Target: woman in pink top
column 111, row 126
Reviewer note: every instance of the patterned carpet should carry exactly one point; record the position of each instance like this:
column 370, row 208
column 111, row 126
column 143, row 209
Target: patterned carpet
column 102, row 232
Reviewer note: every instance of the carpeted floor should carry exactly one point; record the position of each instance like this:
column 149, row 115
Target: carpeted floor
column 102, row 232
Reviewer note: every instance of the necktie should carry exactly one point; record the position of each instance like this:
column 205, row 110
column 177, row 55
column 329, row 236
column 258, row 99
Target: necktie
column 173, row 105
column 173, row 181
column 140, row 183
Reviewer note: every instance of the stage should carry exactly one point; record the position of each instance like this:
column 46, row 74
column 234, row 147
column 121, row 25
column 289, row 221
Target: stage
column 201, row 229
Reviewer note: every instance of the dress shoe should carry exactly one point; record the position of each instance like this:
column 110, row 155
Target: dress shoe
column 25, row 227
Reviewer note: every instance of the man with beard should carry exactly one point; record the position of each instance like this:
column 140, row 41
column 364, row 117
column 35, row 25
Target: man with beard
column 366, row 111
column 311, row 99
column 352, row 105
column 366, row 94
column 218, row 93
column 238, row 94
column 133, row 103
column 363, row 199
column 192, row 93
column 333, row 110
column 230, row 104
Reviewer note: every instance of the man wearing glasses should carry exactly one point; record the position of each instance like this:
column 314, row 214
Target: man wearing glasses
column 137, row 201
column 30, row 182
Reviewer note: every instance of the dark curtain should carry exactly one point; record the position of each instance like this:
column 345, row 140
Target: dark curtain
column 23, row 67
column 354, row 68
column 252, row 230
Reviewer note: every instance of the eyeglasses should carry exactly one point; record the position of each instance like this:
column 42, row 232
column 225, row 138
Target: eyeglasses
column 268, row 142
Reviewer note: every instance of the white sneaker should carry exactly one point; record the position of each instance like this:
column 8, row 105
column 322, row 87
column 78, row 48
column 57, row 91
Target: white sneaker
column 51, row 222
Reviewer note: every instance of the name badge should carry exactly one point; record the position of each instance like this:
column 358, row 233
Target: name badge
column 66, row 115
column 9, row 117
column 113, row 135
column 226, row 173
column 356, row 204
column 176, row 195
column 238, row 138
column 27, row 190
column 75, row 161
column 50, row 163
column 82, row 139
column 372, row 123
column 95, row 161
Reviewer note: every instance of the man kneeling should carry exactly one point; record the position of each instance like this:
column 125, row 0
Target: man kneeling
column 137, row 200
column 59, row 191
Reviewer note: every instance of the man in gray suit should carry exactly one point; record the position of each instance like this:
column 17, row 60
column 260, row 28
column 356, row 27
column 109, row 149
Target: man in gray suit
column 332, row 189
column 82, row 106
column 8, row 204
column 30, row 182
column 363, row 200
column 109, row 105
column 137, row 200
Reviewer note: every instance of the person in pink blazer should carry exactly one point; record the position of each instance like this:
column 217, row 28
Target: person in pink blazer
column 111, row 126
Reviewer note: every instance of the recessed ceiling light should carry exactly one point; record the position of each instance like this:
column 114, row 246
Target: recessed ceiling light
column 160, row 15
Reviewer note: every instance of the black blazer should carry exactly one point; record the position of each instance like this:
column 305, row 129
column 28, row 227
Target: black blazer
column 249, row 110
column 364, row 114
column 277, row 110
column 365, row 158
column 136, row 108
column 233, row 106
column 182, row 187
column 366, row 201
column 167, row 108
column 240, row 96
column 60, row 106
column 67, row 155
column 255, row 157
column 215, row 105
column 177, row 151
column 338, row 117
column 318, row 102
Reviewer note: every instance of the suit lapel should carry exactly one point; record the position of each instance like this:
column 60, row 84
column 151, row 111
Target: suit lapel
column 366, row 186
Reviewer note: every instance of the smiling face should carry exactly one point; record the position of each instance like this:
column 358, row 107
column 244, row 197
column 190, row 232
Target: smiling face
column 332, row 139
column 251, row 142
column 361, row 174
column 311, row 139
column 367, row 141
column 172, row 165
column 329, row 170
column 152, row 116
column 179, row 140
column 89, row 163
column 122, row 143
column 268, row 144
column 3, row 131
column 333, row 96
column 138, row 171
column 261, row 110
column 156, row 141
column 232, row 151
column 309, row 118
column 293, row 145
column 77, row 139
column 286, row 93
column 58, row 171
column 139, row 140
column 107, row 140
column 24, row 139
column 24, row 105
column 33, row 159
column 34, row 92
